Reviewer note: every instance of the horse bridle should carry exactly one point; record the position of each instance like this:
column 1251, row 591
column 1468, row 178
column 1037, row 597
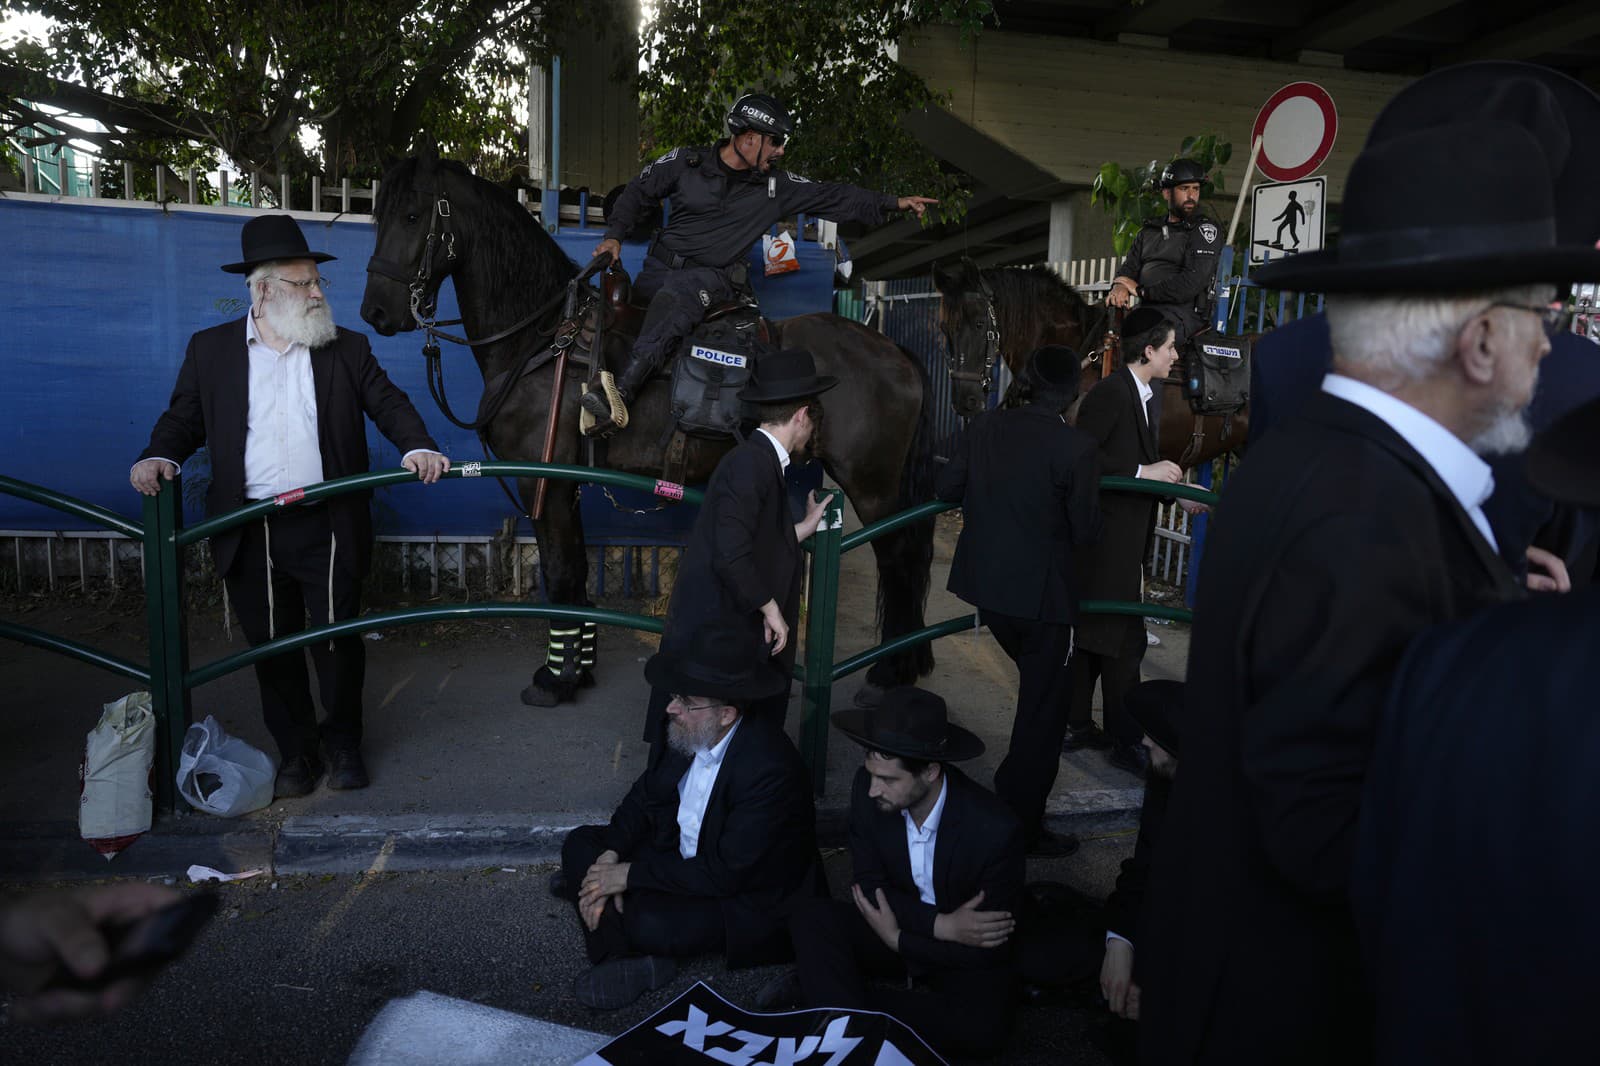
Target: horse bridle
column 991, row 347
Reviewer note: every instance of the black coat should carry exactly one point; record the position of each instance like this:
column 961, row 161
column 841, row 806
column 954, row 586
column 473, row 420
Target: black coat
column 1113, row 567
column 1125, row 906
column 210, row 406
column 1028, row 485
column 1174, row 264
column 757, row 853
column 741, row 552
column 1333, row 547
column 978, row 846
column 1476, row 874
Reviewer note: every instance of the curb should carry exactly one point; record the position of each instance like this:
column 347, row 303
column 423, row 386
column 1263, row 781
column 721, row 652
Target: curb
column 349, row 844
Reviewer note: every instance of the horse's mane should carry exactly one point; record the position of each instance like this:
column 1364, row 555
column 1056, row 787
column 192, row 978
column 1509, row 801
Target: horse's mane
column 1021, row 293
column 522, row 263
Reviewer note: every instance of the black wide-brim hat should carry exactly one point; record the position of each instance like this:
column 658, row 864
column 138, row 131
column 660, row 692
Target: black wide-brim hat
column 912, row 723
column 723, row 662
column 267, row 238
column 1561, row 460
column 786, row 374
column 1449, row 208
column 1155, row 706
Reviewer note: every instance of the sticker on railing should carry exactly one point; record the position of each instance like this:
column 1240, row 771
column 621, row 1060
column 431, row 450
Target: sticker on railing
column 669, row 490
column 472, row 469
column 284, row 499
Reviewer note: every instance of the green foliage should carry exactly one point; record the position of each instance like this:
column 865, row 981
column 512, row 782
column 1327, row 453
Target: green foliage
column 827, row 61
column 1132, row 194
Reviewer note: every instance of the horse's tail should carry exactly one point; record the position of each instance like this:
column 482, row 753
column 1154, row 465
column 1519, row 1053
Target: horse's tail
column 905, row 557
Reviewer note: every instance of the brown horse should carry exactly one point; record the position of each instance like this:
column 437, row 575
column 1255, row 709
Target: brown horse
column 434, row 220
column 1004, row 313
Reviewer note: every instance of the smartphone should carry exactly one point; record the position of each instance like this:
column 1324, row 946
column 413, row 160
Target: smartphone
column 143, row 948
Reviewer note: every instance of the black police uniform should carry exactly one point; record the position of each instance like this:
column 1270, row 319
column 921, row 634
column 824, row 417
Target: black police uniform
column 717, row 214
column 1174, row 264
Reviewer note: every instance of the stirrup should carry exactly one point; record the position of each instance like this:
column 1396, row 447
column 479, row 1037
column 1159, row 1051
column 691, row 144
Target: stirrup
column 592, row 426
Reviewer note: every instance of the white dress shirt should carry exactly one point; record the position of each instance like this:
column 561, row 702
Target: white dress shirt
column 1145, row 392
column 281, row 449
column 694, row 792
column 1469, row 478
column 920, row 842
column 783, row 454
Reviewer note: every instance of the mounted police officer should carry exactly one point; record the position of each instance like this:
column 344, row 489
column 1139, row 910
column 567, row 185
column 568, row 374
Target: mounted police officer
column 723, row 198
column 1174, row 259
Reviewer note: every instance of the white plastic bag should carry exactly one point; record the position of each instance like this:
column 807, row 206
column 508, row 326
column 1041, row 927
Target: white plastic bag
column 223, row 774
column 114, row 801
column 779, row 253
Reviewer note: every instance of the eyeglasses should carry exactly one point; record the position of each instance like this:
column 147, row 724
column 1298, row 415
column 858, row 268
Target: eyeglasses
column 1556, row 319
column 305, row 286
column 775, row 139
column 684, row 702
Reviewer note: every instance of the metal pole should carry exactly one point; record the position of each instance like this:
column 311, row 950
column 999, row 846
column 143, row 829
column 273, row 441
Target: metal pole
column 168, row 651
column 821, row 605
column 550, row 204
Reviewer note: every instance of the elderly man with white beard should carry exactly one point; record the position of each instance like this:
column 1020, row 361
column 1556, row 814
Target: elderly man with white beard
column 1347, row 533
column 278, row 398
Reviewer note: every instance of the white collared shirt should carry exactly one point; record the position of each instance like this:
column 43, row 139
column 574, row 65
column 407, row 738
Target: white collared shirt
column 783, row 455
column 1145, row 393
column 281, row 448
column 1468, row 477
column 920, row 843
column 694, row 792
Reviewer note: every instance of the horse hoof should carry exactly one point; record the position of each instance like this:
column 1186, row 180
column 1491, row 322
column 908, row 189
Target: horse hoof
column 868, row 695
column 534, row 696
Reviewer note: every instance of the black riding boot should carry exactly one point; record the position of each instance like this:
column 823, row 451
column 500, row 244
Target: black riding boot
column 629, row 382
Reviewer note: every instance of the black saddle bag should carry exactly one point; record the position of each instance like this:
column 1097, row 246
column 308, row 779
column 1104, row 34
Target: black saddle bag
column 717, row 361
column 1217, row 374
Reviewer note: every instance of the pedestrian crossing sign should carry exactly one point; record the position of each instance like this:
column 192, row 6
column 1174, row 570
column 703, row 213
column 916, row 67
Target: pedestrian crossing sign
column 1287, row 218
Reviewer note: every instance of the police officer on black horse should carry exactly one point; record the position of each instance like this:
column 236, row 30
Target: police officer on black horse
column 723, row 198
column 1174, row 258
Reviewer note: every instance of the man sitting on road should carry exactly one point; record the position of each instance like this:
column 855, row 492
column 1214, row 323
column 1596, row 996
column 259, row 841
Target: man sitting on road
column 723, row 198
column 713, row 844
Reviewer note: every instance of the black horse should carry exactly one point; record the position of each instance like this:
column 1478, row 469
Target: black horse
column 874, row 441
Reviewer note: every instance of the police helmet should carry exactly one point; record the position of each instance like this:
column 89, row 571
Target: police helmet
column 1182, row 172
column 759, row 112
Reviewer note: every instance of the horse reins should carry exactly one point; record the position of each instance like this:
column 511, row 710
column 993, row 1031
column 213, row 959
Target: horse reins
column 991, row 346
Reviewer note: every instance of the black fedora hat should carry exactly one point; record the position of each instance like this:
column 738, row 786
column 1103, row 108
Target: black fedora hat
column 1496, row 227
column 266, row 238
column 1561, row 113
column 1053, row 370
column 1561, row 460
column 724, row 662
column 1155, row 706
column 910, row 722
column 786, row 374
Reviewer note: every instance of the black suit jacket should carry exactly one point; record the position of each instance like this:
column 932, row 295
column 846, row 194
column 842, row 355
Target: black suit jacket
column 741, row 552
column 1125, row 906
column 1476, row 873
column 1028, row 485
column 1110, row 415
column 758, row 846
column 210, row 406
column 978, row 847
column 1333, row 547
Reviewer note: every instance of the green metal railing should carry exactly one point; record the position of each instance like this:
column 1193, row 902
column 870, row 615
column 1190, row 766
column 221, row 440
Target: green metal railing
column 171, row 678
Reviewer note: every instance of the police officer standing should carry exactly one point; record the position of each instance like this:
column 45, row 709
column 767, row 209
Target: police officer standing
column 1173, row 260
column 723, row 198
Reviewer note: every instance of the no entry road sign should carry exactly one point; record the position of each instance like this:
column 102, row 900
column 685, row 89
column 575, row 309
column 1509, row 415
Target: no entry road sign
column 1296, row 127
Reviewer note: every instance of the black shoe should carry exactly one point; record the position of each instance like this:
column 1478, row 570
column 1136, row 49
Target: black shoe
column 535, row 696
column 594, row 401
column 558, row 886
column 297, row 777
column 1054, row 845
column 615, row 984
column 780, row 993
column 346, row 769
column 1081, row 738
column 1130, row 757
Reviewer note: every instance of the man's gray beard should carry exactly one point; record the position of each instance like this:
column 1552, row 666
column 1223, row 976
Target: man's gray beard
column 686, row 741
column 309, row 324
column 1507, row 434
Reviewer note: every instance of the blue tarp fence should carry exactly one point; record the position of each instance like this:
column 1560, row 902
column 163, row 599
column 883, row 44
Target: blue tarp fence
column 100, row 302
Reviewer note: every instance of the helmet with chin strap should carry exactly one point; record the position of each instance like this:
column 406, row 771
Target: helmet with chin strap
column 761, row 113
column 1182, row 172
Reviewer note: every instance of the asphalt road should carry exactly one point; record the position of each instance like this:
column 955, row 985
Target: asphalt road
column 292, row 971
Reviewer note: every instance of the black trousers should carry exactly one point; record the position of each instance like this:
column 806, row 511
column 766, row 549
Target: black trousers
column 959, row 1012
column 675, row 307
column 770, row 712
column 650, row 923
column 1028, row 772
column 1117, row 675
column 301, row 550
